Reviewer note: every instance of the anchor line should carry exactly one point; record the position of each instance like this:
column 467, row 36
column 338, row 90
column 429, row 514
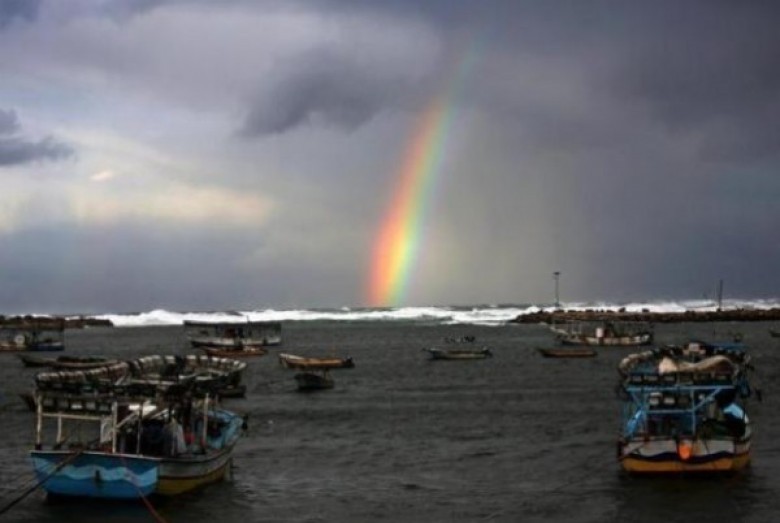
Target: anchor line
column 35, row 487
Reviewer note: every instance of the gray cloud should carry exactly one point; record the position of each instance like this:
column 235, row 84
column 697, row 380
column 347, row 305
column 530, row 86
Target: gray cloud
column 15, row 150
column 9, row 123
column 18, row 9
column 322, row 90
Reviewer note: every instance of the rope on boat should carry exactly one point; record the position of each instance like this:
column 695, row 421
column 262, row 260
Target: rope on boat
column 35, row 487
column 148, row 504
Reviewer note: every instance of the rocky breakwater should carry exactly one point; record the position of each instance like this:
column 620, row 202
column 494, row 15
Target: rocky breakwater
column 52, row 322
column 648, row 316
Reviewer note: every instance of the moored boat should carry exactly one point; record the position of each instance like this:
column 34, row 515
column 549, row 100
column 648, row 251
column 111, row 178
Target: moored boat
column 33, row 337
column 604, row 333
column 684, row 410
column 66, row 362
column 458, row 354
column 568, row 353
column 292, row 361
column 147, row 426
column 233, row 335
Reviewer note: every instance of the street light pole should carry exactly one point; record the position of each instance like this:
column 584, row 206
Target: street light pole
column 557, row 275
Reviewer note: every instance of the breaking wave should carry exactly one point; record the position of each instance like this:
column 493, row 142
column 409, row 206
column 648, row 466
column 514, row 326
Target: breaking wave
column 473, row 315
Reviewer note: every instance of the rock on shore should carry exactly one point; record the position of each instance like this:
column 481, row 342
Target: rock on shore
column 52, row 322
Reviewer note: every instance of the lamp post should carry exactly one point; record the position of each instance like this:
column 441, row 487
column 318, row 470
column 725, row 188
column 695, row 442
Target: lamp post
column 556, row 276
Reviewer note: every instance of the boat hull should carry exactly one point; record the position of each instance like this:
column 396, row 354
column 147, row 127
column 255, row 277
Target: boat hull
column 183, row 475
column 308, row 381
column 664, row 456
column 118, row 476
column 291, row 361
column 459, row 355
column 95, row 474
column 567, row 353
column 243, row 352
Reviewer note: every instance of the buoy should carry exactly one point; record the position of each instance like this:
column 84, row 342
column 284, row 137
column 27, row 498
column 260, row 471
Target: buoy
column 685, row 450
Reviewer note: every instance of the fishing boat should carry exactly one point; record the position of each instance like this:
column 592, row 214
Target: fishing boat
column 292, row 361
column 151, row 426
column 41, row 336
column 66, row 362
column 233, row 335
column 604, row 333
column 684, row 410
column 568, row 353
column 311, row 380
column 458, row 354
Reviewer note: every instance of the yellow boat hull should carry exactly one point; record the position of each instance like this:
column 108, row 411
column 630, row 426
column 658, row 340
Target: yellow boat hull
column 725, row 464
column 180, row 476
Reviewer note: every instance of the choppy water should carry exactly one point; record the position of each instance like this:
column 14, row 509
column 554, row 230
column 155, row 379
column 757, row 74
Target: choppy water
column 402, row 439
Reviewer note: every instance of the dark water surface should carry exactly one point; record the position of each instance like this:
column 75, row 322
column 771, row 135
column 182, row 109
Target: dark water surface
column 402, row 439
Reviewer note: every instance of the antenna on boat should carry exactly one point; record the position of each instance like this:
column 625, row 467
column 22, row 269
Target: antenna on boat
column 556, row 277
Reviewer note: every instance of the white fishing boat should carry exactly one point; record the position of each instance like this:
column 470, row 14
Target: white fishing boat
column 226, row 336
column 603, row 333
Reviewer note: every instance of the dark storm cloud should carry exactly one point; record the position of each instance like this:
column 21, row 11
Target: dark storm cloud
column 11, row 10
column 15, row 150
column 324, row 89
column 715, row 72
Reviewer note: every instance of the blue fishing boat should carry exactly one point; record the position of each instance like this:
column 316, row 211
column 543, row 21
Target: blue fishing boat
column 151, row 426
column 684, row 410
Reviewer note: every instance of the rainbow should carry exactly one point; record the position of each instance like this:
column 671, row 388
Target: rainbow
column 399, row 238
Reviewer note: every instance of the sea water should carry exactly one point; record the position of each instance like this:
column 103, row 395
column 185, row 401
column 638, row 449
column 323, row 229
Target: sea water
column 400, row 438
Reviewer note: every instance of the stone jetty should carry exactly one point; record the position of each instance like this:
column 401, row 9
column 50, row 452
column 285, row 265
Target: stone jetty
column 648, row 316
column 52, row 322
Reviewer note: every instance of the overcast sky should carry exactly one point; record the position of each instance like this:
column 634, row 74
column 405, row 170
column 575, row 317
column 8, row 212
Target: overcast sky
column 198, row 155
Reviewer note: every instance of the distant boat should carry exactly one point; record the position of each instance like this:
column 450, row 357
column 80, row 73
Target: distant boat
column 292, row 361
column 684, row 410
column 66, row 362
column 233, row 335
column 568, row 353
column 44, row 337
column 234, row 353
column 604, row 333
column 159, row 428
column 459, row 354
column 314, row 380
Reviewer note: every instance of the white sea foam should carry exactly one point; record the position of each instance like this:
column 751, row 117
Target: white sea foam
column 477, row 315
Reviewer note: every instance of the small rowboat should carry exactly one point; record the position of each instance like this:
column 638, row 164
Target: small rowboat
column 292, row 361
column 66, row 362
column 567, row 353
